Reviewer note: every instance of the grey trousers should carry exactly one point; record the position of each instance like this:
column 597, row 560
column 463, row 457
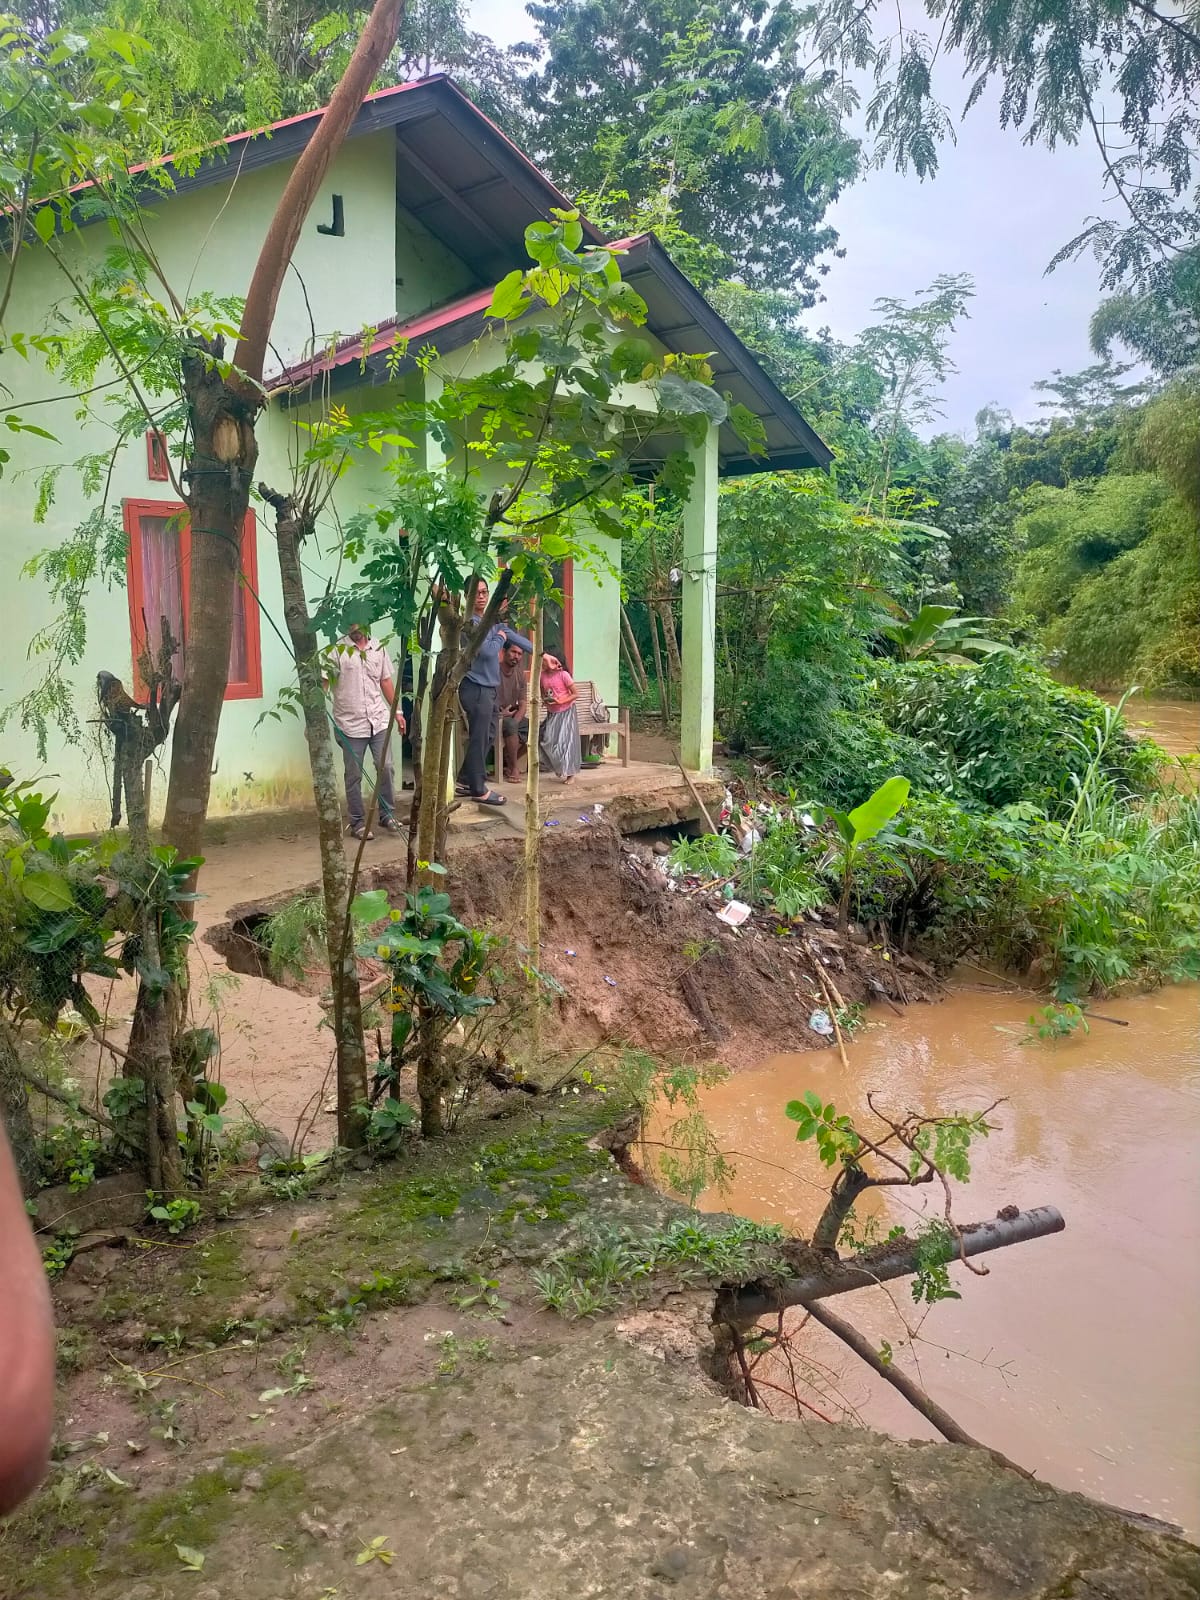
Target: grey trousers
column 479, row 707
column 354, row 751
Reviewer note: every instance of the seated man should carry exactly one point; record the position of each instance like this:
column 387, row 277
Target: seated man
column 513, row 702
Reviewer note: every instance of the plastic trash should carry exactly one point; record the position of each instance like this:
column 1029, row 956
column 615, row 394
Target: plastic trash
column 733, row 914
column 611, row 982
column 821, row 1022
column 570, row 953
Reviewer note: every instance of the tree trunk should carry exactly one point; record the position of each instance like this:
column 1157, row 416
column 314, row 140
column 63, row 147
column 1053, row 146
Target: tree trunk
column 416, row 738
column 221, row 413
column 430, row 1074
column 150, row 1036
column 533, row 847
column 343, row 965
column 219, row 475
column 14, row 1108
column 825, row 1278
column 849, row 1184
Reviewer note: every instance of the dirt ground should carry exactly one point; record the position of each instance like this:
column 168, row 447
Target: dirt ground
column 262, row 1409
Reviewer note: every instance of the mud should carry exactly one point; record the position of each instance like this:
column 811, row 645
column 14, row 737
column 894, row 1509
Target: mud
column 496, row 1453
column 639, row 965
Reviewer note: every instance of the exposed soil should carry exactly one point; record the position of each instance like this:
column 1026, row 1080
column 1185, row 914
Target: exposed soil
column 220, row 1436
column 642, row 965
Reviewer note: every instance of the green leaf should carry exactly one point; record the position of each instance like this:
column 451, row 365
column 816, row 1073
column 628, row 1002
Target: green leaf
column 877, row 811
column 44, row 223
column 193, row 1560
column 507, row 297
column 370, row 905
column 49, row 891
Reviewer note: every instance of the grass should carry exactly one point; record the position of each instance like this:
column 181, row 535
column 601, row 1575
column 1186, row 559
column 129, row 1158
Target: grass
column 612, row 1266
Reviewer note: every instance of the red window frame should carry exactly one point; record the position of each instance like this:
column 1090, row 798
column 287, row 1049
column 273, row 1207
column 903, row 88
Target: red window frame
column 133, row 511
column 568, row 609
column 157, row 469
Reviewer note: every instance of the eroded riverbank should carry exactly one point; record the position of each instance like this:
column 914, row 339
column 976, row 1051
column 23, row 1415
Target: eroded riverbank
column 1075, row 1354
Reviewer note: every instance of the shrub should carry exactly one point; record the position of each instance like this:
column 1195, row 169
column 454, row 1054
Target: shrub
column 1004, row 732
column 832, row 752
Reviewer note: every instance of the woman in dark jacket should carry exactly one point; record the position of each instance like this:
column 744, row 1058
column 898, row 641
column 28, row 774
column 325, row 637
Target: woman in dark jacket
column 477, row 694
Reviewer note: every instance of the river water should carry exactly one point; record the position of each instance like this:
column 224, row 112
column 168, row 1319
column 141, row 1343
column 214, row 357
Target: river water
column 1077, row 1354
column 1175, row 724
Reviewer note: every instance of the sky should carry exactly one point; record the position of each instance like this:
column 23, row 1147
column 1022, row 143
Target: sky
column 996, row 209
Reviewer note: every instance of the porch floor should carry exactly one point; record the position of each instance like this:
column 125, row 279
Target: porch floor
column 256, row 854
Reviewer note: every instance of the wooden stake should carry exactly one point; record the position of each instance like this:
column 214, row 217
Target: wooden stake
column 687, row 778
column 533, row 842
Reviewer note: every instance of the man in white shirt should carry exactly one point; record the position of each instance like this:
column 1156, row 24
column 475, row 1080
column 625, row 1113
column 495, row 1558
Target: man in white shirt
column 364, row 703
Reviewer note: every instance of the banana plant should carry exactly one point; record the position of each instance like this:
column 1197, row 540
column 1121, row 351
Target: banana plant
column 939, row 631
column 855, row 828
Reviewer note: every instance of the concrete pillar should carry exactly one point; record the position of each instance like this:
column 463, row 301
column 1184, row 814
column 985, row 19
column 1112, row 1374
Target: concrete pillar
column 699, row 584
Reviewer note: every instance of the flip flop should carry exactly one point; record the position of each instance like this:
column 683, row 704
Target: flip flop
column 491, row 798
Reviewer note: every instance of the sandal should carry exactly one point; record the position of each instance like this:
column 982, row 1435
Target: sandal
column 464, row 791
column 361, row 833
column 390, row 825
column 491, row 798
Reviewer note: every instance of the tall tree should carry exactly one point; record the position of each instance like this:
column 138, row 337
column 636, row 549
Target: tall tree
column 1120, row 75
column 709, row 113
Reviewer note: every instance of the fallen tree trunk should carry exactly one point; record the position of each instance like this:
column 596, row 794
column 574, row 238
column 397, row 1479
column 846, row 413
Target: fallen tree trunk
column 828, row 1277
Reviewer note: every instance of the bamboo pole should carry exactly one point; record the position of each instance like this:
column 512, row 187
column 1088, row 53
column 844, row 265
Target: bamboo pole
column 664, row 696
column 633, row 655
column 533, row 843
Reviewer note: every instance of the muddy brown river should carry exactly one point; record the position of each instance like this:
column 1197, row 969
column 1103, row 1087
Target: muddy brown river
column 1076, row 1354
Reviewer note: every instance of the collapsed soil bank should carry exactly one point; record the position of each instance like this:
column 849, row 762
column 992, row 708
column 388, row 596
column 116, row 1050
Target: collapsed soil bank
column 321, row 1375
column 638, row 964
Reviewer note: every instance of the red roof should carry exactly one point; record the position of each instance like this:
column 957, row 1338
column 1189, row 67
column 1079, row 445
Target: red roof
column 390, row 332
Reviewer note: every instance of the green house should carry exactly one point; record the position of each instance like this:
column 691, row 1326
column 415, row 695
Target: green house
column 423, row 211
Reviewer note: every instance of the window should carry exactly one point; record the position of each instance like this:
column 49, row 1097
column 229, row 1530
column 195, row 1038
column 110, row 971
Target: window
column 159, row 565
column 156, row 457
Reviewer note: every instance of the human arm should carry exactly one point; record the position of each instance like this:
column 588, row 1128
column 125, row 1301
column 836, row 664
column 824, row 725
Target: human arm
column 388, row 690
column 387, row 687
column 509, row 635
column 26, row 1347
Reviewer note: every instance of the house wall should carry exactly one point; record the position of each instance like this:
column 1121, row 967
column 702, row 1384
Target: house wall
column 209, row 237
column 212, row 237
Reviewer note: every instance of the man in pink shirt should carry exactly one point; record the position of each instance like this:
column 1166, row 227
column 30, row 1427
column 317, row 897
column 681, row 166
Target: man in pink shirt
column 364, row 703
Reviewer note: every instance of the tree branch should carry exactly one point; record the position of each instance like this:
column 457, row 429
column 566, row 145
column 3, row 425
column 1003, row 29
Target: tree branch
column 308, row 174
column 912, row 1392
column 1167, row 22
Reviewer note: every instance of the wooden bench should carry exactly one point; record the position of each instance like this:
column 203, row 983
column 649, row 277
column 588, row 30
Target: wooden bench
column 589, row 726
